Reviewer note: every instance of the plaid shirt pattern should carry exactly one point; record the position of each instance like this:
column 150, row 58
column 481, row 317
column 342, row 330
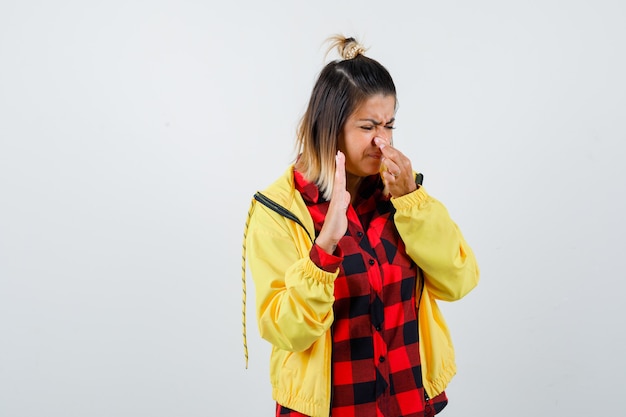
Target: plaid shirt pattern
column 376, row 363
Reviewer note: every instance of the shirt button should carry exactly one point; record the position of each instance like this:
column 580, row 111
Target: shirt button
column 378, row 328
column 381, row 359
column 372, row 262
column 359, row 234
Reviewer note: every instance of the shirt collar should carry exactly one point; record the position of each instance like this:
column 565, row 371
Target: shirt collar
column 309, row 191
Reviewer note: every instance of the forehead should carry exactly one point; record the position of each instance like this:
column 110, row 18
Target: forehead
column 378, row 107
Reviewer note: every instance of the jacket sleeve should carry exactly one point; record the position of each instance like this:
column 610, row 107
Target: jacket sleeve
column 436, row 245
column 294, row 297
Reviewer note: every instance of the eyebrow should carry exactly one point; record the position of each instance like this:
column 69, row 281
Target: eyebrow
column 376, row 122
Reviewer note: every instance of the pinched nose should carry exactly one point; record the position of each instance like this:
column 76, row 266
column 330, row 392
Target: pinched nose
column 381, row 141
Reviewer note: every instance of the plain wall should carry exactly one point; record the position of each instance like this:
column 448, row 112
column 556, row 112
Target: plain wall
column 134, row 133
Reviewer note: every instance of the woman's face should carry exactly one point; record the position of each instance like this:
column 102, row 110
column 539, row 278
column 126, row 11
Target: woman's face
column 373, row 118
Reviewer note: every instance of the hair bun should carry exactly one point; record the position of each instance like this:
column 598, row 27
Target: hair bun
column 348, row 48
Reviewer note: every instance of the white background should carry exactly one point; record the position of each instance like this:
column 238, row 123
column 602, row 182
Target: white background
column 134, row 133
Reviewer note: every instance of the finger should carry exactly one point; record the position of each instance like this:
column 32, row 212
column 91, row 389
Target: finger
column 391, row 167
column 340, row 172
column 388, row 178
column 382, row 142
column 388, row 151
column 340, row 196
column 346, row 200
column 396, row 162
column 379, row 140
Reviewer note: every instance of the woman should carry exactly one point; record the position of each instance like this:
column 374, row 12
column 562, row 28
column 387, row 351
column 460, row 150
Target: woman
column 348, row 254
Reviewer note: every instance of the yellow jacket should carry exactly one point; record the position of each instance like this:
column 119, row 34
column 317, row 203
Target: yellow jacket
column 294, row 298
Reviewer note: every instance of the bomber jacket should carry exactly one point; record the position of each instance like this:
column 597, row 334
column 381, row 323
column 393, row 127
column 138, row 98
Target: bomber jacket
column 294, row 297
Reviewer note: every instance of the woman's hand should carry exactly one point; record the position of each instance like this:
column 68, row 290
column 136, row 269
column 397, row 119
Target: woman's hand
column 336, row 221
column 398, row 172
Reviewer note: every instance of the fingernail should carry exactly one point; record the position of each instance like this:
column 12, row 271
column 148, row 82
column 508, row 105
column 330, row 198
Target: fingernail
column 378, row 141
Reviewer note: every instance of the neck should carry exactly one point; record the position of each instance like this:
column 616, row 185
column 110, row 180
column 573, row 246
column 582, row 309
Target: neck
column 352, row 185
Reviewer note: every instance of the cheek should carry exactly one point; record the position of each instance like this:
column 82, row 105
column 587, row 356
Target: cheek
column 353, row 146
column 341, row 142
column 356, row 143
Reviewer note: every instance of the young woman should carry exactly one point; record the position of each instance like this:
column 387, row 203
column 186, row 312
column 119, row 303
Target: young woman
column 348, row 254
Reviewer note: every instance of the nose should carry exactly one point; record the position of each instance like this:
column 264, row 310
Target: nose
column 384, row 135
column 381, row 130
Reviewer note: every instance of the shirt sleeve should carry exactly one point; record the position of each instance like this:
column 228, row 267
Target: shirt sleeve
column 324, row 260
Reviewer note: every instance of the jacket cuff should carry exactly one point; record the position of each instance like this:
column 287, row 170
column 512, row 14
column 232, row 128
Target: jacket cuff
column 417, row 198
column 325, row 261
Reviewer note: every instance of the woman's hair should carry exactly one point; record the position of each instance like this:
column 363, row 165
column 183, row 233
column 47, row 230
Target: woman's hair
column 341, row 87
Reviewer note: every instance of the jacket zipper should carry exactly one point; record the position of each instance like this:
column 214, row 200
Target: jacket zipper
column 272, row 205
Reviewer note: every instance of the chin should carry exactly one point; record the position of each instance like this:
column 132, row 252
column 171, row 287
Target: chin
column 368, row 172
column 365, row 169
column 373, row 169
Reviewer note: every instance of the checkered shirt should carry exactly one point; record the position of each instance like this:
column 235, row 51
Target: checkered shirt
column 375, row 359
